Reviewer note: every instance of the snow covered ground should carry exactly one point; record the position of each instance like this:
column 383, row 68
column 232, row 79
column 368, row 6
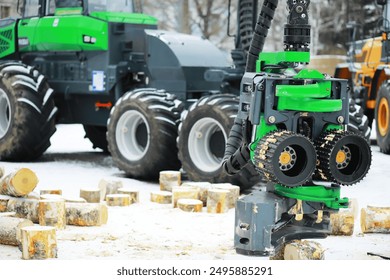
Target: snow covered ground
column 151, row 231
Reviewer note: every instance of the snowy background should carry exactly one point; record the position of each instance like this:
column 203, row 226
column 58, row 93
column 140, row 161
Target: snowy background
column 152, row 231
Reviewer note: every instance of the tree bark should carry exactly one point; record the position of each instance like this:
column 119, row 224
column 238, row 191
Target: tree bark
column 18, row 183
column 52, row 213
column 184, row 192
column 38, row 242
column 234, row 192
column 3, row 202
column 86, row 214
column 24, row 208
column 134, row 194
column 161, row 197
column 203, row 188
column 218, row 201
column 118, row 200
column 91, row 195
column 10, row 230
column 300, row 250
column 190, row 205
column 375, row 219
column 169, row 179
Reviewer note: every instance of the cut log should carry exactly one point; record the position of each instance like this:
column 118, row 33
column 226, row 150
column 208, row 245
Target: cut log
column 8, row 214
column 52, row 213
column 18, row 183
column 38, row 243
column 91, row 195
column 161, row 197
column 24, row 208
column 234, row 192
column 375, row 219
column 203, row 188
column 86, row 214
column 304, row 250
column 51, row 191
column 134, row 194
column 169, row 179
column 109, row 187
column 118, row 200
column 342, row 223
column 218, row 201
column 190, row 205
column 3, row 202
column 10, row 230
column 184, row 192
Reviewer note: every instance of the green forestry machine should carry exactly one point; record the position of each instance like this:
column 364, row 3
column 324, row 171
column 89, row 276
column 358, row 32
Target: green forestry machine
column 103, row 65
column 292, row 127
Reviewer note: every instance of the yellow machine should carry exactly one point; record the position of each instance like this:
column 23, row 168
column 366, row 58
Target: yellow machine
column 369, row 76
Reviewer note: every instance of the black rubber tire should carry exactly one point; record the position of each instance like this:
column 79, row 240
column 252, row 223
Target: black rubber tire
column 358, row 122
column 383, row 135
column 30, row 113
column 152, row 150
column 220, row 109
column 97, row 135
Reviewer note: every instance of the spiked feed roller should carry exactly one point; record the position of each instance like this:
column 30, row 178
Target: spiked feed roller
column 292, row 126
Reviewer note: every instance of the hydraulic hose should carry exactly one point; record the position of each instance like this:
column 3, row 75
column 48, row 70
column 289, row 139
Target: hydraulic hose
column 237, row 153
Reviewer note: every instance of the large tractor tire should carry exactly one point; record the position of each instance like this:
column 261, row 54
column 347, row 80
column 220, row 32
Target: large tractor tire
column 27, row 113
column 203, row 133
column 142, row 132
column 97, row 135
column 358, row 122
column 382, row 117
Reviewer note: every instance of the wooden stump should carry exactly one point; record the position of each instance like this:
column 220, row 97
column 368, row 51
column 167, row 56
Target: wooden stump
column 52, row 213
column 304, row 250
column 24, row 208
column 10, row 230
column 218, row 201
column 203, row 188
column 18, row 183
column 51, row 191
column 86, row 214
column 234, row 192
column 38, row 242
column 184, row 192
column 169, row 179
column 118, row 200
column 4, row 202
column 109, row 187
column 134, row 194
column 342, row 223
column 161, row 197
column 190, row 205
column 91, row 195
column 375, row 219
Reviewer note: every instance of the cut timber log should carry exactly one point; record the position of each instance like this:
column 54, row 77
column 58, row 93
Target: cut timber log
column 304, row 250
column 118, row 200
column 134, row 194
column 91, row 195
column 33, row 195
column 18, row 183
column 190, row 205
column 169, row 180
column 38, row 243
column 161, row 197
column 218, row 201
column 234, row 192
column 375, row 219
column 52, row 213
column 2, row 172
column 203, row 188
column 86, row 214
column 10, row 230
column 51, row 191
column 108, row 187
column 24, row 208
column 3, row 202
column 184, row 192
